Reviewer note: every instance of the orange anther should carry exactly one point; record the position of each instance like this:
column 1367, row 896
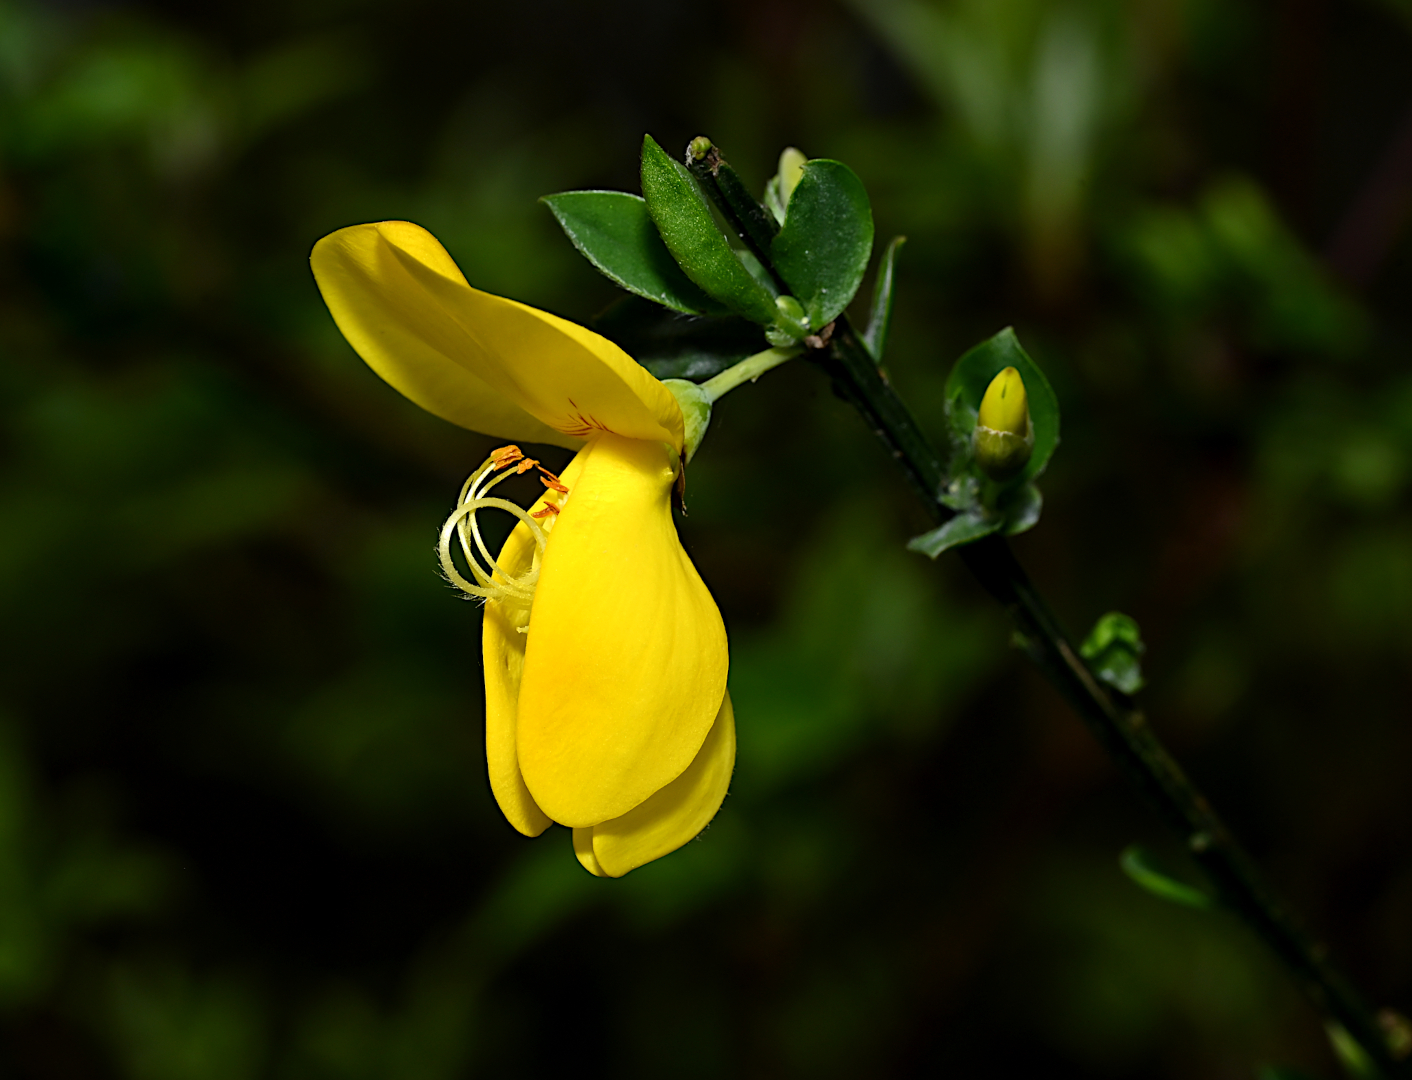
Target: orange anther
column 549, row 508
column 506, row 455
column 526, row 465
column 551, row 481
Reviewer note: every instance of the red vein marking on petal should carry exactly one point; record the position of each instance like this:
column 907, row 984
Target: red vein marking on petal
column 580, row 426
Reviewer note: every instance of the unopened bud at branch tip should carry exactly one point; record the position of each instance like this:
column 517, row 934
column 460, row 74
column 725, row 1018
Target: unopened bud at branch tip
column 1004, row 434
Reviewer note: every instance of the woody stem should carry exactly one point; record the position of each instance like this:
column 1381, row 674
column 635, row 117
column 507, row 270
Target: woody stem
column 1120, row 728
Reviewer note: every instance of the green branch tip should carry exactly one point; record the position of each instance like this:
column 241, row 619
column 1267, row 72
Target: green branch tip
column 698, row 148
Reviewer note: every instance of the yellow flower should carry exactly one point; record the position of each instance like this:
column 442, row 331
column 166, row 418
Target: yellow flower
column 605, row 655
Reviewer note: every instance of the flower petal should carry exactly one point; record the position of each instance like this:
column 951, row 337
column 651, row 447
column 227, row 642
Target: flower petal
column 406, row 335
column 503, row 649
column 583, row 850
column 484, row 362
column 675, row 814
column 625, row 665
column 503, row 653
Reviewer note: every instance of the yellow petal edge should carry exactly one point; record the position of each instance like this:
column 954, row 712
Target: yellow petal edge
column 481, row 361
column 670, row 818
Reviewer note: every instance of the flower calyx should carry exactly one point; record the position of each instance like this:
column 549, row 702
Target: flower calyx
column 695, row 402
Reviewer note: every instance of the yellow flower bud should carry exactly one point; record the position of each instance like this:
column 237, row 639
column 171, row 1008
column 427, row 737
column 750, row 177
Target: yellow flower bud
column 1005, row 407
column 1004, row 435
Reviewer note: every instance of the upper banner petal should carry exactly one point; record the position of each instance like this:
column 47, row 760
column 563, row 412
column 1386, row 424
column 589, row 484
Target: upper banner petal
column 675, row 814
column 626, row 661
column 406, row 308
column 406, row 335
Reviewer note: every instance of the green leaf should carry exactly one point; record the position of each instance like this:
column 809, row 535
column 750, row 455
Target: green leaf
column 614, row 231
column 973, row 373
column 962, row 529
column 1020, row 507
column 1113, row 648
column 1137, row 862
column 781, row 186
column 823, row 248
column 673, row 346
column 774, row 202
column 1016, row 511
column 880, row 318
column 688, row 228
column 962, row 493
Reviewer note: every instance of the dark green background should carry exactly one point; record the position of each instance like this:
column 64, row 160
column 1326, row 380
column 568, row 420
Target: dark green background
column 244, row 825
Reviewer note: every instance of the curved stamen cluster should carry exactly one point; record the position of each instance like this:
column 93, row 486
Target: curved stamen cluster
column 496, row 583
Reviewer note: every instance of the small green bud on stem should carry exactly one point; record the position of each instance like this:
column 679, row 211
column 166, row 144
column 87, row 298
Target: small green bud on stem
column 791, row 325
column 791, row 309
column 698, row 148
column 1004, row 435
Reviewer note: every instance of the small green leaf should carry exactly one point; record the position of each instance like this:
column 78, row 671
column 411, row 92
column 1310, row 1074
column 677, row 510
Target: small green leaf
column 774, row 201
column 962, row 529
column 688, row 228
column 614, row 231
column 781, row 186
column 673, row 346
column 1013, row 511
column 1137, row 862
column 966, row 386
column 823, row 248
column 1113, row 649
column 963, row 492
column 1020, row 507
column 880, row 318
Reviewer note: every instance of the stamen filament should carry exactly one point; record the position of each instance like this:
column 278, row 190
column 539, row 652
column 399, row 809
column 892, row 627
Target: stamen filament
column 479, row 496
column 498, row 583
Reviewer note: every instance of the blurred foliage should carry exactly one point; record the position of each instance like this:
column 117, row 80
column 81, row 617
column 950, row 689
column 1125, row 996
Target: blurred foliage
column 244, row 825
column 1113, row 649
